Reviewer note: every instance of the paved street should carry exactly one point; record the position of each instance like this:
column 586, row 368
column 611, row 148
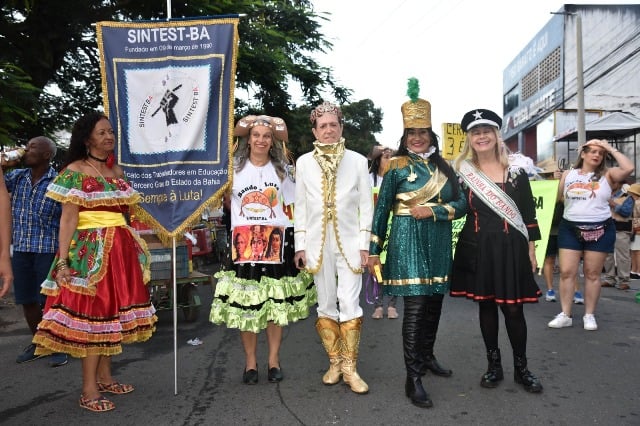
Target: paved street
column 588, row 377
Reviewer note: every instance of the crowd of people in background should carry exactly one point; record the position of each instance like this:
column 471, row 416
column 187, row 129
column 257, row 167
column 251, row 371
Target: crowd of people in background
column 390, row 217
column 35, row 225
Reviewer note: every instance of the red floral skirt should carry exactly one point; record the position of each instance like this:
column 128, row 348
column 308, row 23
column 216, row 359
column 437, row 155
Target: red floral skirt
column 120, row 311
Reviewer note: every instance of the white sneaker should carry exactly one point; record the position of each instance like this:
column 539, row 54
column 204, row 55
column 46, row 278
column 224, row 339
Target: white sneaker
column 561, row 321
column 590, row 322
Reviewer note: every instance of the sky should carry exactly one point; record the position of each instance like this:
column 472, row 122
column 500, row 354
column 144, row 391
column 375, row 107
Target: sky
column 457, row 49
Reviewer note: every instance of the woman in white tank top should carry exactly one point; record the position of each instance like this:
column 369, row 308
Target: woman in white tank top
column 586, row 229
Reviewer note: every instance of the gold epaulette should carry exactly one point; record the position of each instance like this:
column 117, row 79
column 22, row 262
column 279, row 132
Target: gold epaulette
column 399, row 162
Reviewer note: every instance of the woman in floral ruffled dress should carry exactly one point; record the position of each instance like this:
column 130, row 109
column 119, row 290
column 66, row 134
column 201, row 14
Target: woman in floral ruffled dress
column 97, row 297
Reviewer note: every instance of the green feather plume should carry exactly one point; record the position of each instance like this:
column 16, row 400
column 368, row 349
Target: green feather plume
column 413, row 89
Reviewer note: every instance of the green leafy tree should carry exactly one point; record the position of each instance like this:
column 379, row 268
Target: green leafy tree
column 54, row 42
column 14, row 86
column 361, row 120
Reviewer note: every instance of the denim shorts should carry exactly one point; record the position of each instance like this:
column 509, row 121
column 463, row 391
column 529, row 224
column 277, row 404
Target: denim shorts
column 29, row 271
column 567, row 238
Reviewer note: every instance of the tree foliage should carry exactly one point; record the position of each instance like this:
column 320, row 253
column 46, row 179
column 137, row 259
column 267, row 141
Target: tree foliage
column 54, row 43
column 14, row 86
column 361, row 120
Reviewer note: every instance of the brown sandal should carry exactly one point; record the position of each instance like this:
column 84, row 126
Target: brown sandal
column 97, row 405
column 115, row 387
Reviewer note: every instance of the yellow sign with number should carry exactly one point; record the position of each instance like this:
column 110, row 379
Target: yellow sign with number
column 452, row 140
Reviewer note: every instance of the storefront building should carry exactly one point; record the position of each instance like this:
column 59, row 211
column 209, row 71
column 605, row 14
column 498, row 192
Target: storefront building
column 540, row 86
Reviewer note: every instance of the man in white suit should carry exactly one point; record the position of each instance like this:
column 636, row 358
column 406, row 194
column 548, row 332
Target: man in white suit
column 332, row 220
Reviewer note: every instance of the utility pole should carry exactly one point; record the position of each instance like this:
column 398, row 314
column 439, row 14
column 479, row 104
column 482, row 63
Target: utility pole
column 582, row 134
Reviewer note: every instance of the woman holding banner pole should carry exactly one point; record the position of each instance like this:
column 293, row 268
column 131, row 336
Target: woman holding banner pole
column 261, row 292
column 494, row 262
column 97, row 297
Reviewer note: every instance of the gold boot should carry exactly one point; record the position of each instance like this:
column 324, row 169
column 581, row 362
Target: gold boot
column 350, row 333
column 329, row 331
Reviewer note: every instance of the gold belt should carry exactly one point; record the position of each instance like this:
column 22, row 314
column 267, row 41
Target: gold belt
column 403, row 209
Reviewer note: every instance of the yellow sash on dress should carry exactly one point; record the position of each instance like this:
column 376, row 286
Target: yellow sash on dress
column 405, row 201
column 100, row 219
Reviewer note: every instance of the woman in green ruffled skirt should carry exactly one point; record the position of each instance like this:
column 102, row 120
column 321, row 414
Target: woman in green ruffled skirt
column 262, row 288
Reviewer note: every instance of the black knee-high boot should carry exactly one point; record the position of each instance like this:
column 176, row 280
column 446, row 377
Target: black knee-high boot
column 432, row 320
column 517, row 331
column 412, row 324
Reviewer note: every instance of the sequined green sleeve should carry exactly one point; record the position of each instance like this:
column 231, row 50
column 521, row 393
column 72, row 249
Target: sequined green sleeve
column 454, row 208
column 383, row 208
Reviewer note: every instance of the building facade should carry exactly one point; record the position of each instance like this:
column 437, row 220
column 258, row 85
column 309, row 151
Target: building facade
column 540, row 85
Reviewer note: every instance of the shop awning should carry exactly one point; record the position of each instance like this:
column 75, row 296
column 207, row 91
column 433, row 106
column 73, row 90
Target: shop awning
column 617, row 125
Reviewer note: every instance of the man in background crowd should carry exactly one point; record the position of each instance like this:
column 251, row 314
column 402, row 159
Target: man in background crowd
column 35, row 224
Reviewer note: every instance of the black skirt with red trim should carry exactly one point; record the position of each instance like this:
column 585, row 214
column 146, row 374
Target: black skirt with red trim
column 493, row 264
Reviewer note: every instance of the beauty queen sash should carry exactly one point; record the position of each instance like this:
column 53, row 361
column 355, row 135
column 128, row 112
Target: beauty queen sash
column 493, row 196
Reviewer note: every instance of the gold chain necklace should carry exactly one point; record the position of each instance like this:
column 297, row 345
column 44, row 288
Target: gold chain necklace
column 94, row 168
column 105, row 180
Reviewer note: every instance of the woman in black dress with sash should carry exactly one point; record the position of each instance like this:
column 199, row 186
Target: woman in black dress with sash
column 494, row 262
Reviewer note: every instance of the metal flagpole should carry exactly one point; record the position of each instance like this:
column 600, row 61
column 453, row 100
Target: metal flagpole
column 175, row 289
column 175, row 319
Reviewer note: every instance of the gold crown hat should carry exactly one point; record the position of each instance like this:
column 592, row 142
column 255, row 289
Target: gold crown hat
column 325, row 108
column 416, row 112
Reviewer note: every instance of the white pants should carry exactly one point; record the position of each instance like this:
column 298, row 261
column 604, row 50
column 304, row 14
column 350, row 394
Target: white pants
column 338, row 287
